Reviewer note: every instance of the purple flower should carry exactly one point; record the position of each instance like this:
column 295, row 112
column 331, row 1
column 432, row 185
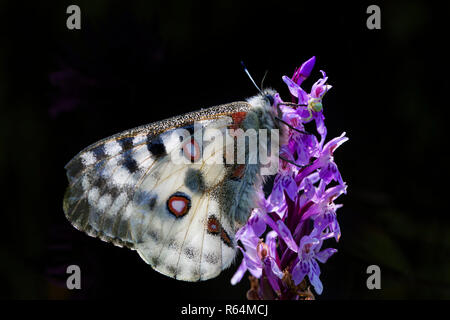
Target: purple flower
column 284, row 181
column 307, row 265
column 328, row 219
column 296, row 90
column 304, row 71
column 257, row 254
column 299, row 215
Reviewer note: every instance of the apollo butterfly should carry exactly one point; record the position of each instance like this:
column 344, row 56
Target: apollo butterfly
column 181, row 217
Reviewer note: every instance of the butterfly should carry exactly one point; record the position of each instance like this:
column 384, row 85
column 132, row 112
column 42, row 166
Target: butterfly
column 181, row 217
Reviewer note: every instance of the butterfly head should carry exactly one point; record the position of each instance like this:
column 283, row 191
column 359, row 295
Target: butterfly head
column 269, row 98
column 266, row 97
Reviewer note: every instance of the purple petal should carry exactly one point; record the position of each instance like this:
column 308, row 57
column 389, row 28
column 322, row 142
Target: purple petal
column 333, row 144
column 303, row 112
column 299, row 272
column 239, row 273
column 313, row 178
column 323, row 221
column 323, row 255
column 271, row 276
column 308, row 240
column 289, row 186
column 268, row 220
column 280, row 228
column 241, row 231
column 329, row 219
column 253, row 263
column 286, row 235
column 271, row 241
column 315, row 269
column 280, row 209
column 330, row 172
column 332, row 193
column 296, row 90
column 306, row 147
column 277, row 195
column 309, row 188
column 336, row 230
column 320, row 125
column 312, row 211
column 320, row 88
column 304, row 71
column 275, row 268
column 315, row 281
column 293, row 87
column 257, row 224
column 302, row 97
column 247, row 236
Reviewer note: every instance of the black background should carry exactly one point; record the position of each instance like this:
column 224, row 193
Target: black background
column 133, row 63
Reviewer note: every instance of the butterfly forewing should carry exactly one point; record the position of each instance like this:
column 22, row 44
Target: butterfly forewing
column 127, row 190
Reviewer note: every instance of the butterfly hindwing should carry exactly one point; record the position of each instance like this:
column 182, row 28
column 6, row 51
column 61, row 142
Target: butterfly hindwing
column 128, row 190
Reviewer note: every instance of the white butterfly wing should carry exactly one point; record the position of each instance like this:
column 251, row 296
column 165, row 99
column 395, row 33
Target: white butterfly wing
column 127, row 190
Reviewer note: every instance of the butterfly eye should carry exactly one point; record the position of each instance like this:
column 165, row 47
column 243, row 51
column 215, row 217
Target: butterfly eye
column 270, row 98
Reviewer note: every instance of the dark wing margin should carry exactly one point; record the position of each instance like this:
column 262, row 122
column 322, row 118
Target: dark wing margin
column 95, row 205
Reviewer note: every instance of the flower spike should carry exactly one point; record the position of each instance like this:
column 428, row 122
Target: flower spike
column 299, row 215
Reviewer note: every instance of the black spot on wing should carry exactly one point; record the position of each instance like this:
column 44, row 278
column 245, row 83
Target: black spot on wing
column 126, row 143
column 194, row 180
column 173, row 244
column 145, row 198
column 130, row 164
column 99, row 152
column 190, row 252
column 156, row 146
column 212, row 258
column 113, row 191
column 152, row 202
column 153, row 234
column 98, row 181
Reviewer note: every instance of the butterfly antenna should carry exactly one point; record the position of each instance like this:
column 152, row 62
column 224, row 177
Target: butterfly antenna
column 264, row 78
column 248, row 74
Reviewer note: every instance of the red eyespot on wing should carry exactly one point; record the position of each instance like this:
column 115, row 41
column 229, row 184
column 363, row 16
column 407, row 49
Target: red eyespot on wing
column 214, row 226
column 191, row 150
column 179, row 204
